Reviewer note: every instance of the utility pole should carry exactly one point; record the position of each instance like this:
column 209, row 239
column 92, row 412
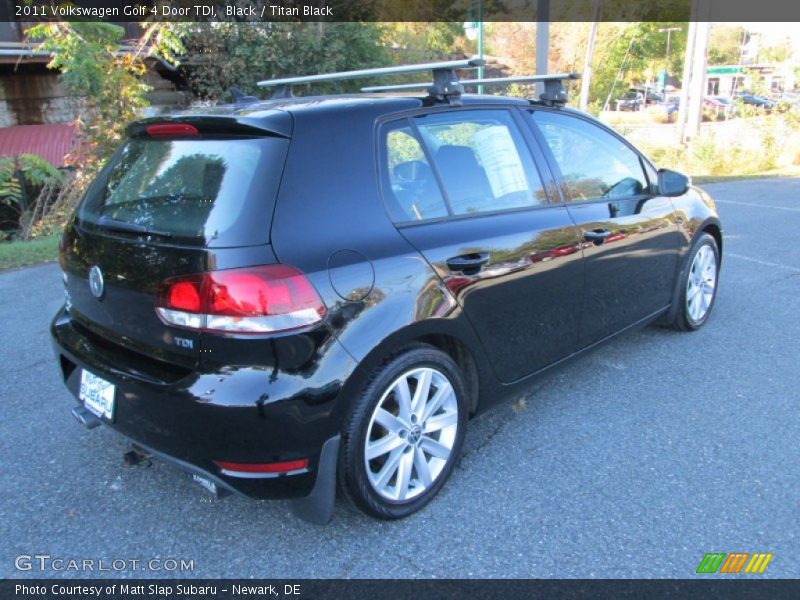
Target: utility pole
column 690, row 110
column 542, row 41
column 480, row 43
column 586, row 76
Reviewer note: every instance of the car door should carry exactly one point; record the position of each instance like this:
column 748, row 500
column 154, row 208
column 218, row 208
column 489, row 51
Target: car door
column 466, row 192
column 630, row 235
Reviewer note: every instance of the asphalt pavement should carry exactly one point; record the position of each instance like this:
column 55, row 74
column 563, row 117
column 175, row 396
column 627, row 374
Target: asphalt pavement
column 631, row 462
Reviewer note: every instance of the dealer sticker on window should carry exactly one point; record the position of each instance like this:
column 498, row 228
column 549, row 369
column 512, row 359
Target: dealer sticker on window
column 97, row 394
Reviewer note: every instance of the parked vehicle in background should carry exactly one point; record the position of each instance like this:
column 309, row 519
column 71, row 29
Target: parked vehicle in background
column 630, row 101
column 671, row 107
column 758, row 102
column 650, row 94
column 730, row 107
column 715, row 108
column 786, row 101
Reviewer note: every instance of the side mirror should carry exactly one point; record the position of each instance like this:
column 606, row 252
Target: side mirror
column 672, row 183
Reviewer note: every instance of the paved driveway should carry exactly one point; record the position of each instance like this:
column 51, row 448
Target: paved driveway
column 632, row 462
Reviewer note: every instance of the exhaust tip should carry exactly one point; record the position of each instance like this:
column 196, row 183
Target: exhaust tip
column 85, row 417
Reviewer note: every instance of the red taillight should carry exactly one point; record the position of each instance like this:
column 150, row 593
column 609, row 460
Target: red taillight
column 252, row 300
column 184, row 295
column 170, row 129
column 288, row 467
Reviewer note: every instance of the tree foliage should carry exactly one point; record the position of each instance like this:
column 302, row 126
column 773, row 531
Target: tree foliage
column 21, row 173
column 221, row 55
column 109, row 78
column 725, row 44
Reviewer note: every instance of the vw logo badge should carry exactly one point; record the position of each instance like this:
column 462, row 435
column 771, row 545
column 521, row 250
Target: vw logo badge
column 96, row 281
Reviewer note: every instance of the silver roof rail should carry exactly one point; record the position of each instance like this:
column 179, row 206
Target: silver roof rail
column 445, row 81
column 554, row 93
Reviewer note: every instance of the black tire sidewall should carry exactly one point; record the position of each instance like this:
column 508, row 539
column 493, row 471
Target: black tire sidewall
column 353, row 480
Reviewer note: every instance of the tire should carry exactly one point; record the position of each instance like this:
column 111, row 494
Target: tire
column 418, row 446
column 697, row 289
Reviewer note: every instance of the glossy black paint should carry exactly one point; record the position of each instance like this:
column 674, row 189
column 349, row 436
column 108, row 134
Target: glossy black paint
column 545, row 292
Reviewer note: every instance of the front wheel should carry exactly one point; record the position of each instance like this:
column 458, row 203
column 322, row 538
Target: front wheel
column 404, row 434
column 698, row 285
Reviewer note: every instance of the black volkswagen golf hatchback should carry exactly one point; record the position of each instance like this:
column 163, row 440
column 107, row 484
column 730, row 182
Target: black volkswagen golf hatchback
column 291, row 296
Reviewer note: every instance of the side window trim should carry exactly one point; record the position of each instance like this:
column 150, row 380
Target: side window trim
column 556, row 169
column 434, row 167
column 546, row 174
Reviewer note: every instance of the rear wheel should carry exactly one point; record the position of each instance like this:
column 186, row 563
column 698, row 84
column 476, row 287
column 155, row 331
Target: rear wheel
column 404, row 434
column 698, row 286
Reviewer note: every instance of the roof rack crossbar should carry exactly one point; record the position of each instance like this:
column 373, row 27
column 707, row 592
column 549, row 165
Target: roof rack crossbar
column 398, row 70
column 445, row 86
column 554, row 92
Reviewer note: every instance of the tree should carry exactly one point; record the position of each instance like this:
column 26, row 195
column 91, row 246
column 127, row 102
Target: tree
column 109, row 78
column 221, row 55
column 725, row 45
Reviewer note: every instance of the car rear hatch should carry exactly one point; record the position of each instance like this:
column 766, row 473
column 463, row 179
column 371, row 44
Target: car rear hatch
column 180, row 196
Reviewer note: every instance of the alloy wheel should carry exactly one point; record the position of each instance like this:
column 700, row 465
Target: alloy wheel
column 411, row 434
column 701, row 284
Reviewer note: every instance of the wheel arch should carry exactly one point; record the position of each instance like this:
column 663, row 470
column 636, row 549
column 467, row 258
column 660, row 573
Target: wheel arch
column 441, row 334
column 713, row 229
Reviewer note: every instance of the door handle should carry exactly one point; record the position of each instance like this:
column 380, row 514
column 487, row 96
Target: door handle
column 598, row 236
column 469, row 264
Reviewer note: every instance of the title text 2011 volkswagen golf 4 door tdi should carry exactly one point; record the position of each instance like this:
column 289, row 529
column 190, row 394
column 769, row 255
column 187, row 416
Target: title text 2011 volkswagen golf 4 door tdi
column 284, row 296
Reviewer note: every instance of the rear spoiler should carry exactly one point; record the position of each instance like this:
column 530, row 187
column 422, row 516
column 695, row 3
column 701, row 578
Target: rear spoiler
column 272, row 123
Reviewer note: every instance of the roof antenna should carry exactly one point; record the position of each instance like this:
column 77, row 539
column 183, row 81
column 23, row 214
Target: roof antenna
column 239, row 97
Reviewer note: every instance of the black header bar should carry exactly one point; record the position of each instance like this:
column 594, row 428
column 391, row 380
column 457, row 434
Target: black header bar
column 399, row 10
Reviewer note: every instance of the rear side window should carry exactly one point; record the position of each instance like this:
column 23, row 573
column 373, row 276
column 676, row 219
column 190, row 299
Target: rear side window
column 482, row 160
column 594, row 164
column 218, row 192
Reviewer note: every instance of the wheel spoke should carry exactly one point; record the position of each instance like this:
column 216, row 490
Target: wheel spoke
column 442, row 393
column 388, row 421
column 440, row 422
column 693, row 291
column 403, row 396
column 389, row 467
column 705, row 255
column 434, row 448
column 422, row 391
column 694, row 307
column 421, row 467
column 404, row 474
column 386, row 444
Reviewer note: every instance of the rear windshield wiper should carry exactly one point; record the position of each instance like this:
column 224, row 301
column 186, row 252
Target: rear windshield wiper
column 111, row 224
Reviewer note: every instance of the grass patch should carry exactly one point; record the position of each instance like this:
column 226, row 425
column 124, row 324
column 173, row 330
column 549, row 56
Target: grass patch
column 19, row 254
column 778, row 173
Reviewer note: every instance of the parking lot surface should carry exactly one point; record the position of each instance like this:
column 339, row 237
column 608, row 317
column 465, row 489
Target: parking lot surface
column 633, row 461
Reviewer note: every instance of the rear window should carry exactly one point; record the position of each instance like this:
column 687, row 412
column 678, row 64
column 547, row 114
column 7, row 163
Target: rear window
column 216, row 192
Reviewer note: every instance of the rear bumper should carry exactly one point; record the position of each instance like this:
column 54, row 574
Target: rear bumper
column 237, row 414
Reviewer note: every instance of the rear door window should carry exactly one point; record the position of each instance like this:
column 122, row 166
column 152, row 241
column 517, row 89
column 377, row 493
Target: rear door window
column 482, row 160
column 218, row 192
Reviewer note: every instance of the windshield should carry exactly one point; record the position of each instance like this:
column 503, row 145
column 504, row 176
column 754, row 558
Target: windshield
column 218, row 192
